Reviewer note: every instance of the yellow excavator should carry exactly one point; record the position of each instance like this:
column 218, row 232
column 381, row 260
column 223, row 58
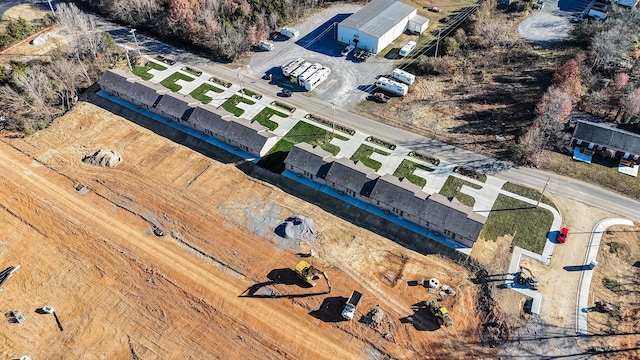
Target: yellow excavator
column 440, row 312
column 530, row 281
column 309, row 273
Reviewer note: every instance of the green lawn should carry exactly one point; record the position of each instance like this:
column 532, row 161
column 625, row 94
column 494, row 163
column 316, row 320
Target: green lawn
column 529, row 224
column 230, row 104
column 452, row 186
column 200, row 92
column 170, row 82
column 527, row 192
column 143, row 71
column 363, row 154
column 264, row 118
column 406, row 169
column 305, row 132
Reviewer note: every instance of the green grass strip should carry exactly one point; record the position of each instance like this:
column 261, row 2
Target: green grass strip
column 231, row 104
column 143, row 71
column 264, row 118
column 170, row 82
column 406, row 169
column 363, row 154
column 452, row 186
column 528, row 193
column 200, row 92
column 528, row 223
column 305, row 132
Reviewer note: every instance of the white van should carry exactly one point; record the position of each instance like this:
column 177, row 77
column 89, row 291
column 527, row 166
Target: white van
column 407, row 48
column 289, row 32
column 265, row 45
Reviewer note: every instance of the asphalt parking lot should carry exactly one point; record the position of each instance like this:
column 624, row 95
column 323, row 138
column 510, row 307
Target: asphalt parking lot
column 349, row 80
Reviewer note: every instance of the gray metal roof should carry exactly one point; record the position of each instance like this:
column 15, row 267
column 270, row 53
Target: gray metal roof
column 378, row 17
column 400, row 194
column 418, row 19
column 309, row 158
column 177, row 105
column 454, row 216
column 352, row 175
column 608, row 135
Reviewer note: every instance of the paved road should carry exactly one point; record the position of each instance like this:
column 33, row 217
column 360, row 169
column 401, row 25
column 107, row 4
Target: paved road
column 560, row 185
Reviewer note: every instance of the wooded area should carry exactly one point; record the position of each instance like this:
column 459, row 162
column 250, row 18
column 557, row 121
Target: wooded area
column 224, row 28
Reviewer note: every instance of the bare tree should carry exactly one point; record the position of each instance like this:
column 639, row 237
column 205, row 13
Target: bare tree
column 631, row 105
column 37, row 88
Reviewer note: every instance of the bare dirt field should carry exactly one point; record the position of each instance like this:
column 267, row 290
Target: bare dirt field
column 217, row 284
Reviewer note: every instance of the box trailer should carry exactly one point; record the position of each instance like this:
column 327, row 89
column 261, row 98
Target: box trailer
column 289, row 32
column 403, row 76
column 316, row 79
column 391, row 86
column 407, row 48
column 265, row 45
column 350, row 307
column 291, row 65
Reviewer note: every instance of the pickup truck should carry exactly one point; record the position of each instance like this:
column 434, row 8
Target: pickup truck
column 352, row 303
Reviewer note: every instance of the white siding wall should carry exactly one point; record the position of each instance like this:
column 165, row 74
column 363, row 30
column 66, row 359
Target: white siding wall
column 368, row 42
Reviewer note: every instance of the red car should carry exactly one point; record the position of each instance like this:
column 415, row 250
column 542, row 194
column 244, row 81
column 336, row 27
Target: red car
column 562, row 236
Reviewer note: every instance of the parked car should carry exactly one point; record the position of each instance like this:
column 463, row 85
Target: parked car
column 539, row 5
column 347, row 50
column 379, row 97
column 434, row 9
column 562, row 235
column 287, row 92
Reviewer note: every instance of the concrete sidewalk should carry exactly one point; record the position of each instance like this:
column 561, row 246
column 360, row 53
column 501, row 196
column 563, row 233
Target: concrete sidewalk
column 585, row 280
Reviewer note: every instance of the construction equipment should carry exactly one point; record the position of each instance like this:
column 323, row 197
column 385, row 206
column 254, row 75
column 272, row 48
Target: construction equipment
column 530, row 281
column 440, row 312
column 309, row 273
column 352, row 303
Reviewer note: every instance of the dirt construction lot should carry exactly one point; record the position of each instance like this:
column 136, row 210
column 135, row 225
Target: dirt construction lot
column 217, row 284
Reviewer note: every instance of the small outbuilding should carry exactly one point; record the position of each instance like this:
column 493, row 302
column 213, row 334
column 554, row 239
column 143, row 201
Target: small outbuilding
column 379, row 23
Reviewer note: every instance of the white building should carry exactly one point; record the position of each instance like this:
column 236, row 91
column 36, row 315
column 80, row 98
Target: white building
column 379, row 23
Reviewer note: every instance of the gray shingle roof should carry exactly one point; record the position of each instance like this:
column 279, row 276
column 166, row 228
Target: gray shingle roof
column 251, row 135
column 378, row 17
column 608, row 135
column 401, row 194
column 117, row 80
column 352, row 175
column 454, row 216
column 309, row 158
column 177, row 105
column 209, row 118
column 145, row 92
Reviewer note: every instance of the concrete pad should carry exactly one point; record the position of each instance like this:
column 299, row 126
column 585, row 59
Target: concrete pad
column 349, row 147
column 485, row 196
column 629, row 170
column 435, row 178
column 189, row 86
column 391, row 162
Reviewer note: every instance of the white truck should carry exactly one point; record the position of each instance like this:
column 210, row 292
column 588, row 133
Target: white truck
column 291, row 65
column 350, row 307
column 391, row 86
column 403, row 76
column 289, row 32
column 407, row 48
column 265, row 45
column 316, row 79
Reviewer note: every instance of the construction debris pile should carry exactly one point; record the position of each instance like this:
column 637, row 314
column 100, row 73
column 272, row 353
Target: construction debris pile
column 106, row 158
column 377, row 320
column 297, row 227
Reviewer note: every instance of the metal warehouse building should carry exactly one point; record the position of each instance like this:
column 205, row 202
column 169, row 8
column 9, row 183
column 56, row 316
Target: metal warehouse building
column 379, row 23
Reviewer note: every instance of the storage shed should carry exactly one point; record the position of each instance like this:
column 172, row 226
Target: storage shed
column 379, row 23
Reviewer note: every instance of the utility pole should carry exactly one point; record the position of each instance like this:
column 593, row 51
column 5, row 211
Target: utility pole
column 51, row 6
column 437, row 42
column 333, row 124
column 543, row 189
column 241, row 87
column 133, row 32
column 126, row 52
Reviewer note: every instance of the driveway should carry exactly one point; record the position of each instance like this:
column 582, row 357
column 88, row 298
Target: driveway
column 551, row 23
column 349, row 80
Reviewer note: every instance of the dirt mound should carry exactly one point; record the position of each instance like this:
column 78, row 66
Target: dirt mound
column 106, row 158
column 297, row 227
